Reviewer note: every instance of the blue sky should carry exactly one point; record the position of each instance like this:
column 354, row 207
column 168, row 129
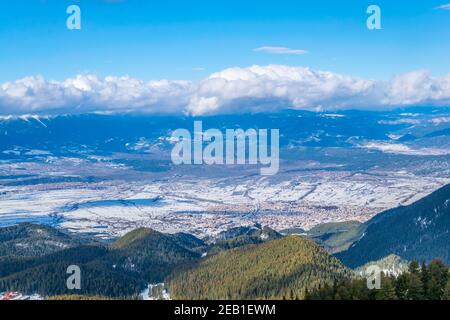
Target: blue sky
column 231, row 56
column 191, row 39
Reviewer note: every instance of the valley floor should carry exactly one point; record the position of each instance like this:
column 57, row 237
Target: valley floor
column 204, row 204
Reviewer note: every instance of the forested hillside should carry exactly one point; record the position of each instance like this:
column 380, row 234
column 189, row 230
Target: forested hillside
column 28, row 239
column 425, row 282
column 120, row 270
column 247, row 236
column 418, row 231
column 280, row 269
column 242, row 263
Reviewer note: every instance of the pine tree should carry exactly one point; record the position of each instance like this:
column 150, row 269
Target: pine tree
column 401, row 287
column 447, row 293
column 414, row 267
column 415, row 287
column 425, row 277
column 439, row 275
column 307, row 295
column 387, row 291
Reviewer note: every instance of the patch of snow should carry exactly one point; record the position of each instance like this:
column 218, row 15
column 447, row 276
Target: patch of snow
column 155, row 292
column 264, row 236
column 398, row 148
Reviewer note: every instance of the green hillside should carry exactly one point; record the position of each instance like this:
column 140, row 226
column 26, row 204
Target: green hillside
column 133, row 237
column 283, row 268
column 336, row 236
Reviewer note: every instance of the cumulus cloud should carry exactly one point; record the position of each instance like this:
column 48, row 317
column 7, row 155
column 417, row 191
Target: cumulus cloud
column 419, row 87
column 259, row 88
column 251, row 89
column 89, row 93
column 280, row 50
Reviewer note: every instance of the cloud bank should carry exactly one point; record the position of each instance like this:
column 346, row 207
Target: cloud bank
column 251, row 89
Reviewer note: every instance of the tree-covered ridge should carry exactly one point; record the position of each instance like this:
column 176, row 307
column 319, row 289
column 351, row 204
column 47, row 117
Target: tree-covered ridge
column 47, row 275
column 147, row 254
column 120, row 270
column 254, row 235
column 30, row 240
column 336, row 236
column 133, row 237
column 418, row 231
column 280, row 269
column 389, row 265
column 425, row 282
column 243, row 263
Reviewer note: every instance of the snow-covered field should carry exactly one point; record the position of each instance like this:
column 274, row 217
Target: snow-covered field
column 208, row 205
column 341, row 166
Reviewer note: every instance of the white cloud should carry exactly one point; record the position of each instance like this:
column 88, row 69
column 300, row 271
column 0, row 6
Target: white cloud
column 444, row 7
column 419, row 87
column 251, row 89
column 88, row 93
column 280, row 50
column 259, row 88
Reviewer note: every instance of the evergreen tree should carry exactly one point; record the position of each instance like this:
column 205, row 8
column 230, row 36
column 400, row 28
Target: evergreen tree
column 438, row 280
column 447, row 293
column 426, row 282
column 425, row 277
column 414, row 267
column 415, row 287
column 387, row 291
column 401, row 287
